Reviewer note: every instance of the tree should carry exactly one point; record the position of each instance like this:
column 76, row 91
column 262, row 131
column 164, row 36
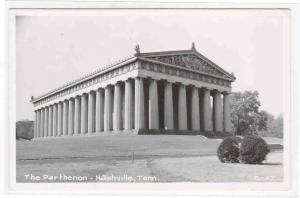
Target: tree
column 277, row 126
column 274, row 127
column 246, row 117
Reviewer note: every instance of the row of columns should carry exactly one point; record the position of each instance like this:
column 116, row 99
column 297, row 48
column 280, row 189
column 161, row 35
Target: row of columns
column 122, row 107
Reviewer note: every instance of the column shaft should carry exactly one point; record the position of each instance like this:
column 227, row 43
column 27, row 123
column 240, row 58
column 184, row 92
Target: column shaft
column 99, row 110
column 129, row 113
column 226, row 112
column 54, row 120
column 38, row 123
column 168, row 107
column 35, row 124
column 195, row 117
column 71, row 117
column 207, row 112
column 139, row 104
column 108, row 109
column 218, row 116
column 50, row 120
column 117, row 124
column 59, row 119
column 153, row 105
column 84, row 114
column 46, row 122
column 65, row 118
column 182, row 108
column 91, row 113
column 42, row 123
column 77, row 113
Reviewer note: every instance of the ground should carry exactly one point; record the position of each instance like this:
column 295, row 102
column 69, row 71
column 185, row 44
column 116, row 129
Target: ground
column 144, row 158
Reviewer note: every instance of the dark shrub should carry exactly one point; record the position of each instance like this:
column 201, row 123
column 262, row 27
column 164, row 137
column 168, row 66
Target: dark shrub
column 24, row 129
column 228, row 150
column 253, row 150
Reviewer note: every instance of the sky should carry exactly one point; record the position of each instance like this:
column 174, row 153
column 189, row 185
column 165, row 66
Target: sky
column 55, row 47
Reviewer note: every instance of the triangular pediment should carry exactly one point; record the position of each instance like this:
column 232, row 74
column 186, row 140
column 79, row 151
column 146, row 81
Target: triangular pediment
column 191, row 60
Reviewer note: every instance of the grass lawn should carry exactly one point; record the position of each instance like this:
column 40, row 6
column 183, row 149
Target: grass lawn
column 163, row 158
column 116, row 146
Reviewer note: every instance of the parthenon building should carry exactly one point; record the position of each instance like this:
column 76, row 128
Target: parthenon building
column 146, row 93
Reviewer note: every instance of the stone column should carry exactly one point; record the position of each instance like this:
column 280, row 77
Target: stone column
column 50, row 121
column 91, row 112
column 218, row 116
column 77, row 113
column 139, row 104
column 226, row 112
column 129, row 113
column 99, row 110
column 168, row 107
column 42, row 123
column 35, row 124
column 38, row 123
column 65, row 118
column 54, row 120
column 59, row 119
column 84, row 114
column 71, row 117
column 207, row 112
column 108, row 109
column 117, row 124
column 195, row 110
column 182, row 108
column 153, row 105
column 46, row 122
column 40, row 131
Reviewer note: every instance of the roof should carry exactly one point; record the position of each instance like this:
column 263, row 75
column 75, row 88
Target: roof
column 149, row 56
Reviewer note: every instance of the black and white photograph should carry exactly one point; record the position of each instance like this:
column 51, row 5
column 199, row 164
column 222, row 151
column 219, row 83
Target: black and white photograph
column 152, row 96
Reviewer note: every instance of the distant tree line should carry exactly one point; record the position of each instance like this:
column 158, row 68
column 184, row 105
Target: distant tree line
column 24, row 129
column 248, row 119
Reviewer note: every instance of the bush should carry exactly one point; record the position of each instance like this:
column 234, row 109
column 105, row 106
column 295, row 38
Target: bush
column 253, row 150
column 228, row 150
column 24, row 129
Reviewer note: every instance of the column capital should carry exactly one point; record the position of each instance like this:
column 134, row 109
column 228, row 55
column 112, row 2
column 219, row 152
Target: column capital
column 226, row 93
column 150, row 79
column 100, row 89
column 138, row 77
column 206, row 89
column 167, row 81
column 215, row 91
column 130, row 79
column 153, row 79
column 108, row 86
column 92, row 92
column 180, row 83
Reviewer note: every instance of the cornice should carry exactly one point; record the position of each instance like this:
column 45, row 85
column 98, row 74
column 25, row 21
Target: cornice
column 86, row 77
